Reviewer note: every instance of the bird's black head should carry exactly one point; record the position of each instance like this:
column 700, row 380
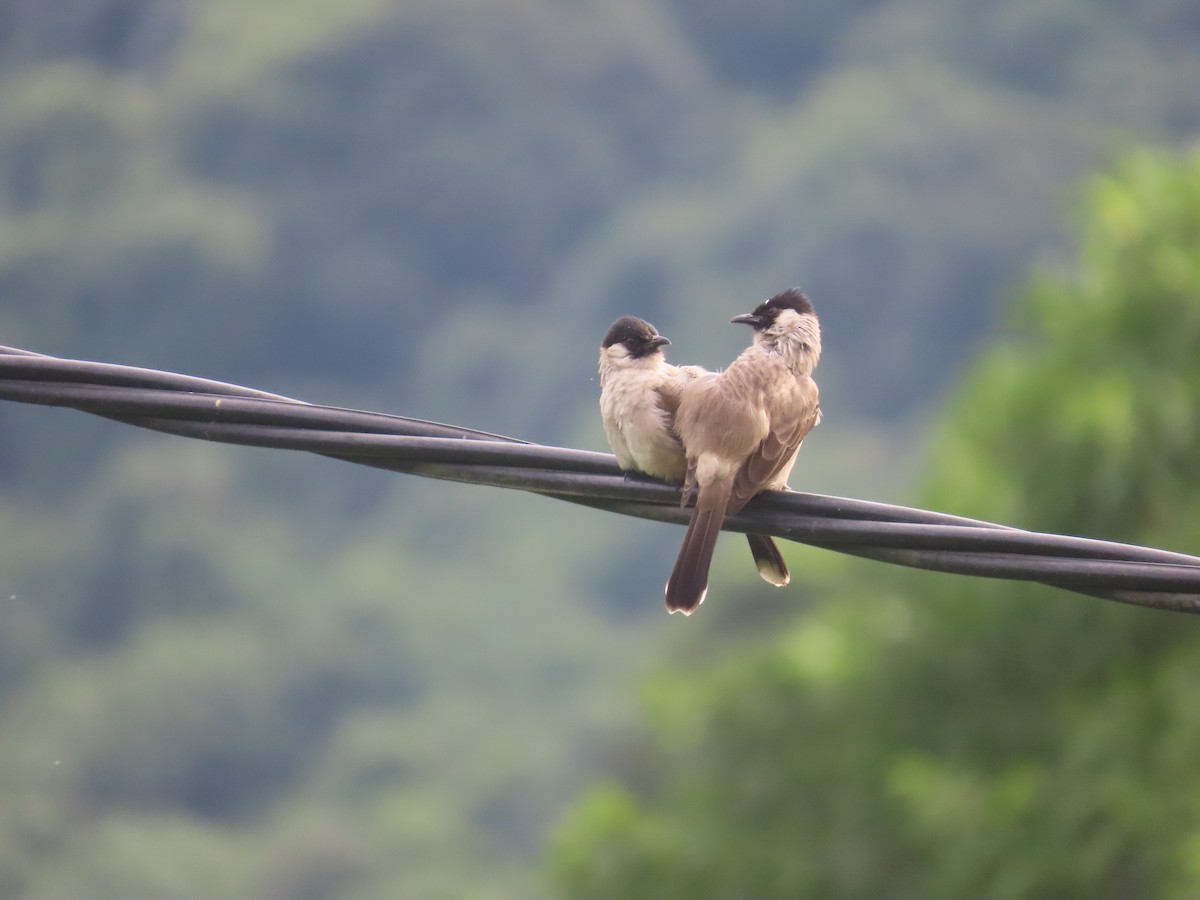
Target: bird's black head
column 637, row 335
column 768, row 311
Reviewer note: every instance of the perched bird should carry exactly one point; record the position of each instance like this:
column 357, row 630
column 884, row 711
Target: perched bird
column 741, row 430
column 639, row 393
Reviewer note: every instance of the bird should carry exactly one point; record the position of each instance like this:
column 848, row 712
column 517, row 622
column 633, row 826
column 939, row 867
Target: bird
column 742, row 428
column 639, row 393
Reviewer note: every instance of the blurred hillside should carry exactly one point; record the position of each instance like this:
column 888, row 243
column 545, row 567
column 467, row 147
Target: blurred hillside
column 240, row 673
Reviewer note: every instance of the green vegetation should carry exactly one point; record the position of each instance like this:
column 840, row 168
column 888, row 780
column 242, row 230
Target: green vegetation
column 919, row 735
column 237, row 673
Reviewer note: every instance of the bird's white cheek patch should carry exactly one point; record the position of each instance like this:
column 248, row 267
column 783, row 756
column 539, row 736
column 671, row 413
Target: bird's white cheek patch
column 617, row 352
column 785, row 321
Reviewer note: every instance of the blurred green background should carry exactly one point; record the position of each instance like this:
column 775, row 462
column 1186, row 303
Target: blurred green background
column 247, row 674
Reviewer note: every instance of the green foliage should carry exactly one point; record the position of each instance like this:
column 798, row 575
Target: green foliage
column 1122, row 335
column 926, row 736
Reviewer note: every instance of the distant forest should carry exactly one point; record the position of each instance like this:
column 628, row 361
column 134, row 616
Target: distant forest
column 239, row 673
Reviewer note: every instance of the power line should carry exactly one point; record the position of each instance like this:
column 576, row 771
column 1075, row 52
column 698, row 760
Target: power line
column 215, row 411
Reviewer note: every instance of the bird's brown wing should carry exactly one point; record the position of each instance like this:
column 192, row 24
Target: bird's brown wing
column 775, row 451
column 667, row 399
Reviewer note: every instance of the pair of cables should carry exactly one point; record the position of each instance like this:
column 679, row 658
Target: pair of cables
column 215, row 411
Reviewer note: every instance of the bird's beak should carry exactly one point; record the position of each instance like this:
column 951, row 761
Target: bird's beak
column 747, row 319
column 658, row 341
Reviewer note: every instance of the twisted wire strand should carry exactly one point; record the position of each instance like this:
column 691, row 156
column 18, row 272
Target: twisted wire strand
column 215, row 411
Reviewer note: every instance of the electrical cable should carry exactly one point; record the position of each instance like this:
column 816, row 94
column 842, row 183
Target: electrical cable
column 215, row 411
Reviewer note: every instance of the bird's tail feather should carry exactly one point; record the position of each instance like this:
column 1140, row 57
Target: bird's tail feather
column 689, row 580
column 769, row 561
